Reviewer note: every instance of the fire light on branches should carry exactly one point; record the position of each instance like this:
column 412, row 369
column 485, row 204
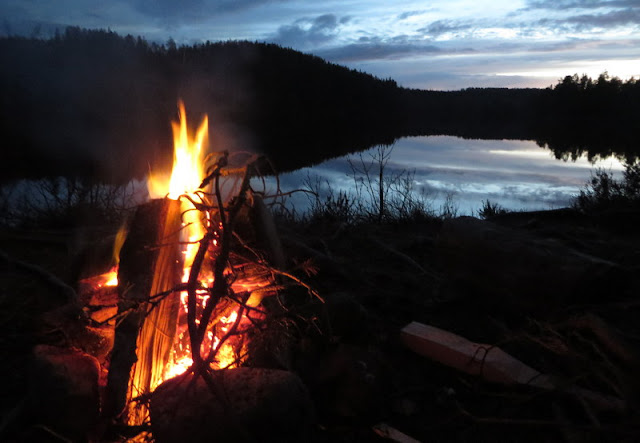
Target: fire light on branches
column 200, row 290
column 183, row 184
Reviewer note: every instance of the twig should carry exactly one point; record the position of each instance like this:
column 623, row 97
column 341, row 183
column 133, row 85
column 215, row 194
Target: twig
column 220, row 286
column 192, row 284
column 226, row 336
column 301, row 283
column 288, row 194
column 54, row 434
column 403, row 256
column 13, row 415
column 44, row 275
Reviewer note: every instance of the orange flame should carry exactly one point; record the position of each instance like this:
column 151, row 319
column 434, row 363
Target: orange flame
column 111, row 277
column 186, row 176
column 188, row 170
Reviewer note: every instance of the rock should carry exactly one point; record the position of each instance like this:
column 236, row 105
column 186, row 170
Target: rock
column 64, row 392
column 251, row 405
column 97, row 342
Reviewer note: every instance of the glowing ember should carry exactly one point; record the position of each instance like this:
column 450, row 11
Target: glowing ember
column 111, row 277
column 108, row 279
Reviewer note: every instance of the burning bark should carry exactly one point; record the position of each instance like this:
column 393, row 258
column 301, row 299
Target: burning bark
column 149, row 264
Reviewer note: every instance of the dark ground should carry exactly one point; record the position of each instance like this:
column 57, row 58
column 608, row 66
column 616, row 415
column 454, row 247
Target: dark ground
column 555, row 289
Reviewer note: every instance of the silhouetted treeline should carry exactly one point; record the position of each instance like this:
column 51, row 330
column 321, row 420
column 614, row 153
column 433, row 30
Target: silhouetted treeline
column 577, row 116
column 594, row 117
column 96, row 103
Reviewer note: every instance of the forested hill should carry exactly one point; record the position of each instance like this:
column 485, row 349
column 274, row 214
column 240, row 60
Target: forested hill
column 103, row 98
column 97, row 103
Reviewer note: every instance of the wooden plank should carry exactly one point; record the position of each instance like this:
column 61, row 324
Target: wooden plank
column 493, row 364
column 386, row 431
column 489, row 362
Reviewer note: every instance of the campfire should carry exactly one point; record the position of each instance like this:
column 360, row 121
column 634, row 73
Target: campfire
column 189, row 287
column 191, row 322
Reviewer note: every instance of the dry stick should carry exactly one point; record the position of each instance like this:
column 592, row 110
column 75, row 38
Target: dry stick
column 230, row 332
column 160, row 295
column 192, row 301
column 197, row 206
column 277, row 271
column 246, row 295
column 192, row 284
column 301, row 283
column 53, row 433
column 220, row 286
column 289, row 193
column 13, row 415
column 47, row 277
column 632, row 428
column 153, row 300
column 247, row 247
column 403, row 256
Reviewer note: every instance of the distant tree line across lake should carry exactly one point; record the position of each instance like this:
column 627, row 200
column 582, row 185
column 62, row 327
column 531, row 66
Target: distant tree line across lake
column 93, row 102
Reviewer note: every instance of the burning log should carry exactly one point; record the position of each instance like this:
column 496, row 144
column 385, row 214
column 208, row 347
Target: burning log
column 149, row 265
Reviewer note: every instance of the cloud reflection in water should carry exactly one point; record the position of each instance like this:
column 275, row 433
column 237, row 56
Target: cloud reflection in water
column 517, row 174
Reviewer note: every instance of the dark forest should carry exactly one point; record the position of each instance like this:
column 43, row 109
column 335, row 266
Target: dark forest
column 91, row 102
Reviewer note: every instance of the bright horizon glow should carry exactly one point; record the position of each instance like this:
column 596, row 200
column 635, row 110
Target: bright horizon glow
column 521, row 153
column 623, row 69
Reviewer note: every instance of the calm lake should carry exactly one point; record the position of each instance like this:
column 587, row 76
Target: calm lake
column 517, row 174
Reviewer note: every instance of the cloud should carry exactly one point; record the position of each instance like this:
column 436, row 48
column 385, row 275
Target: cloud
column 31, row 28
column 375, row 49
column 562, row 5
column 168, row 8
column 173, row 9
column 440, row 27
column 408, row 14
column 592, row 22
column 607, row 20
column 307, row 32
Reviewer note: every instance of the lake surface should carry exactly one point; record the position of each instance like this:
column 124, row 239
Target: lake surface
column 517, row 174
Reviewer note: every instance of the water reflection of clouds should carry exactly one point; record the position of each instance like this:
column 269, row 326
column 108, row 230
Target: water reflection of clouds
column 517, row 174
